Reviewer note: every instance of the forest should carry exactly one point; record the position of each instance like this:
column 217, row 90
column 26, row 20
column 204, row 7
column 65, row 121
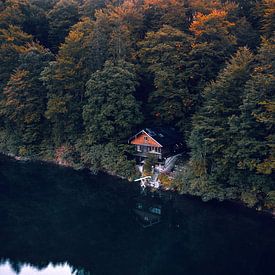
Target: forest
column 78, row 77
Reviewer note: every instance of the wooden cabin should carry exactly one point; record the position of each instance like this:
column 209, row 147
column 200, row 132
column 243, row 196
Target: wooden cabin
column 161, row 142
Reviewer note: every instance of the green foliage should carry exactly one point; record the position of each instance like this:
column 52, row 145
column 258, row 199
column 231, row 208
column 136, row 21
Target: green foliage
column 111, row 111
column 164, row 12
column 23, row 103
column 65, row 79
column 249, row 199
column 88, row 7
column 270, row 200
column 164, row 53
column 30, row 16
column 149, row 164
column 268, row 21
column 61, row 17
column 108, row 157
column 228, row 139
column 119, row 64
column 258, row 113
column 12, row 40
column 165, row 180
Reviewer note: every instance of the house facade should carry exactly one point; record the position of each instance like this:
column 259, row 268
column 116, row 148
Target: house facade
column 161, row 142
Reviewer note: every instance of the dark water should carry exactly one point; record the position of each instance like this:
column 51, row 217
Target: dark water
column 58, row 221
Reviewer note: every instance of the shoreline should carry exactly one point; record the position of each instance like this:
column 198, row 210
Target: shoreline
column 264, row 211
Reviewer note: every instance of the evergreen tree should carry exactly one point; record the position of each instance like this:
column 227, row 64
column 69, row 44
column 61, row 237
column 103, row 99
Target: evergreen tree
column 164, row 53
column 24, row 100
column 111, row 111
column 212, row 152
column 256, row 144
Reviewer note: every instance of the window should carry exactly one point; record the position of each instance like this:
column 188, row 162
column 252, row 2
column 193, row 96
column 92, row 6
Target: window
column 138, row 148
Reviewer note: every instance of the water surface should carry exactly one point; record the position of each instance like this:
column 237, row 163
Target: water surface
column 58, row 221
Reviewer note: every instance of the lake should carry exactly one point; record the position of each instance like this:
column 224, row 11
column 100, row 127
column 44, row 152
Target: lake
column 55, row 220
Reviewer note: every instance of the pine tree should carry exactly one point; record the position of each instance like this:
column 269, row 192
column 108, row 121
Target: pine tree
column 212, row 139
column 257, row 119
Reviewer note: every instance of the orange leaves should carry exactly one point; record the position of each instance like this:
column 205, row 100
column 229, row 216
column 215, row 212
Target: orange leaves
column 214, row 22
column 14, row 34
column 268, row 17
column 75, row 36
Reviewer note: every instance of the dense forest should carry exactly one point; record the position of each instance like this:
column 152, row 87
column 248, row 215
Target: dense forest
column 78, row 77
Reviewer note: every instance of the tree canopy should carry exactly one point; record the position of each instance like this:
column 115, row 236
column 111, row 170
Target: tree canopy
column 77, row 78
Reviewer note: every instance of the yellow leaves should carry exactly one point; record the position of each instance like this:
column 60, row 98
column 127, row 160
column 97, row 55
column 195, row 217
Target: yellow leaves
column 30, row 47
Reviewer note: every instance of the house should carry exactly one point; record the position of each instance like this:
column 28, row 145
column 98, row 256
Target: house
column 161, row 142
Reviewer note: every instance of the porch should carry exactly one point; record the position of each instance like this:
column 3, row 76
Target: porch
column 144, row 150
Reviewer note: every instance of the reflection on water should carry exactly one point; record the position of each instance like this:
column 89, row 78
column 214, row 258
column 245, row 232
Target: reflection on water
column 51, row 215
column 8, row 268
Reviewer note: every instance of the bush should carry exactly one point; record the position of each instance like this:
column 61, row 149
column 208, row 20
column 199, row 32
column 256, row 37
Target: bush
column 270, row 200
column 165, row 180
column 250, row 199
column 149, row 162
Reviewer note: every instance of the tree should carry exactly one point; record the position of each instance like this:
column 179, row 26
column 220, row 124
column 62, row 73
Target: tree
column 63, row 15
column 257, row 119
column 24, row 100
column 89, row 7
column 111, row 111
column 212, row 141
column 12, row 40
column 268, row 18
column 214, row 44
column 29, row 15
column 164, row 12
column 117, row 28
column 164, row 55
column 65, row 79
